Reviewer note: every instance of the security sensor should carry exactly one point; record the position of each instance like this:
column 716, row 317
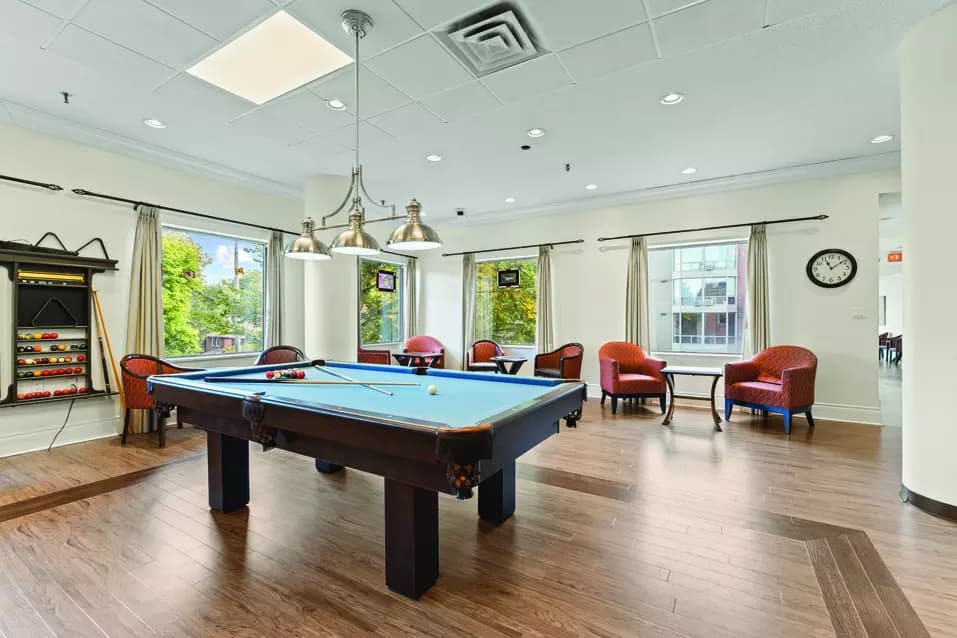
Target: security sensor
column 460, row 212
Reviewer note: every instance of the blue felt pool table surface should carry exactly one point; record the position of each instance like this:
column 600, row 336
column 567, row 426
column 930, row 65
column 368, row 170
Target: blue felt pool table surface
column 462, row 399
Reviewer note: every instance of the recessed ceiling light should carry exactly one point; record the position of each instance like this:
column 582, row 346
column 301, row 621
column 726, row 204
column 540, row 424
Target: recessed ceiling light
column 433, row 157
column 273, row 58
column 154, row 123
column 591, row 187
column 336, row 104
column 880, row 139
column 691, row 170
column 536, row 132
column 509, row 200
column 672, row 98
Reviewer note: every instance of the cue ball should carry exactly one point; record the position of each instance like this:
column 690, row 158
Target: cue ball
column 432, row 389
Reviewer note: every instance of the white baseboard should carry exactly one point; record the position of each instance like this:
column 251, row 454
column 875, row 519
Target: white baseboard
column 868, row 415
column 39, row 438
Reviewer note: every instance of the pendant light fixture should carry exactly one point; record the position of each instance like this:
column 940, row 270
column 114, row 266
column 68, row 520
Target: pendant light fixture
column 306, row 245
column 413, row 234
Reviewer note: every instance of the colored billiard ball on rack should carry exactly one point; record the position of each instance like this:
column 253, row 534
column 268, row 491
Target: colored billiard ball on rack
column 286, row 374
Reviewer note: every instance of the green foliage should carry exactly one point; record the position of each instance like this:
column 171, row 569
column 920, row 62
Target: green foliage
column 194, row 308
column 380, row 312
column 506, row 315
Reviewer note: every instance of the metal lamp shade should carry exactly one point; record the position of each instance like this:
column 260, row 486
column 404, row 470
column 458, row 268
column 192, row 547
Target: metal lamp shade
column 355, row 240
column 413, row 234
column 307, row 246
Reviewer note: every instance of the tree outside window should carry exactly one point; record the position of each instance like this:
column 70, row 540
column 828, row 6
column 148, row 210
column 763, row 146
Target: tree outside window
column 213, row 287
column 506, row 315
column 380, row 309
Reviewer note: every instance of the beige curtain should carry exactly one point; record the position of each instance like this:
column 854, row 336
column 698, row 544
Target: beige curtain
column 274, row 283
column 144, row 333
column 637, row 323
column 757, row 335
column 544, row 327
column 468, row 304
column 411, row 299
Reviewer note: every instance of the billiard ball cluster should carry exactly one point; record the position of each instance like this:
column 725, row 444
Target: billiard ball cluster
column 56, row 347
column 51, row 372
column 47, row 394
column 286, row 374
column 47, row 360
column 27, row 336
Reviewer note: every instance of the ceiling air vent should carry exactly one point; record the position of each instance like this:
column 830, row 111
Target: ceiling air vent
column 492, row 39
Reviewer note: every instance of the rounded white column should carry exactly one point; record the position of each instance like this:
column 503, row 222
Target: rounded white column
column 929, row 172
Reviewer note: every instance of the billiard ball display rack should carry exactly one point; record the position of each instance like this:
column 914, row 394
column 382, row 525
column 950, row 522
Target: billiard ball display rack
column 51, row 318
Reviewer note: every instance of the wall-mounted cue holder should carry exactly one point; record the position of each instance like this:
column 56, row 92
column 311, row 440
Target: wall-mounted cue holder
column 51, row 317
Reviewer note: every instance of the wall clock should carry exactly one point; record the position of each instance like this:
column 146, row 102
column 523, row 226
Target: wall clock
column 831, row 267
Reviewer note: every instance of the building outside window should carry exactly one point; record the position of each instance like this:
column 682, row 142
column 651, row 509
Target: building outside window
column 696, row 303
column 213, row 293
column 506, row 313
column 381, row 302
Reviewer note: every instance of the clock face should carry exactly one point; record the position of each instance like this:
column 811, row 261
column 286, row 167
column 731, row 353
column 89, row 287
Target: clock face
column 831, row 268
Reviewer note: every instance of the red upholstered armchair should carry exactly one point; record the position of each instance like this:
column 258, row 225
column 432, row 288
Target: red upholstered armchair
column 382, row 357
column 136, row 369
column 477, row 357
column 779, row 379
column 424, row 343
column 627, row 372
column 280, row 354
column 563, row 363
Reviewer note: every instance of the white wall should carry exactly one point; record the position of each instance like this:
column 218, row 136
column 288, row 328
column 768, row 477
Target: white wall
column 26, row 213
column 839, row 325
column 892, row 288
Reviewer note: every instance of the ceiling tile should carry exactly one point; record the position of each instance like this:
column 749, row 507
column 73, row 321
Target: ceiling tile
column 92, row 51
column 420, row 67
column 530, row 78
column 307, row 110
column 658, row 7
column 184, row 92
column 430, row 13
column 782, row 10
column 611, row 53
column 392, row 25
column 704, row 24
column 406, row 119
column 218, row 18
column 145, row 29
column 375, row 94
column 268, row 125
column 369, row 135
column 26, row 23
column 462, row 101
column 564, row 24
column 61, row 8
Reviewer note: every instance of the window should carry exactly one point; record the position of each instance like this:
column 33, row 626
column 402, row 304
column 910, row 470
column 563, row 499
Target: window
column 695, row 301
column 506, row 314
column 381, row 297
column 212, row 293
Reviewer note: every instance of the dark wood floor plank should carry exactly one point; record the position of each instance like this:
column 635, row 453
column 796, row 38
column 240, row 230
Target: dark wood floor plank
column 865, row 598
column 840, row 605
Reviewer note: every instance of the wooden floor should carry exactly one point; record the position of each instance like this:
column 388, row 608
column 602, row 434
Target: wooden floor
column 623, row 528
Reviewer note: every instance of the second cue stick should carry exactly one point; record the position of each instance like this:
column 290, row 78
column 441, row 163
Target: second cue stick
column 304, row 381
column 109, row 345
column 345, row 378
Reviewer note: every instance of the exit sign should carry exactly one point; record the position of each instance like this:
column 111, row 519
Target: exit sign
column 895, row 256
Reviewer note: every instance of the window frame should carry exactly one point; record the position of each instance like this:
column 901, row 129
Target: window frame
column 400, row 290
column 256, row 240
column 530, row 258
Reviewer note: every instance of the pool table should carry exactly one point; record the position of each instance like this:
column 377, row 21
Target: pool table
column 466, row 435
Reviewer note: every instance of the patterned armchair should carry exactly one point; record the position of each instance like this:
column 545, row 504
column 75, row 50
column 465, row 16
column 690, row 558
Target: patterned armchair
column 136, row 369
column 280, row 354
column 779, row 379
column 423, row 343
column 563, row 363
column 382, row 357
column 477, row 357
column 627, row 372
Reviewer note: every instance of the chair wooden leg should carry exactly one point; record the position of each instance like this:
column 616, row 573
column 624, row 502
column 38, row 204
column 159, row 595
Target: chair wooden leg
column 603, row 395
column 810, row 419
column 126, row 426
column 614, row 404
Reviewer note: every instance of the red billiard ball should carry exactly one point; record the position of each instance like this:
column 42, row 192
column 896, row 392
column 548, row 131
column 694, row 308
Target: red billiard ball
column 21, row 396
column 269, row 375
column 47, row 393
column 21, row 362
column 54, row 335
column 301, row 374
column 78, row 370
column 57, row 393
column 81, row 358
column 82, row 390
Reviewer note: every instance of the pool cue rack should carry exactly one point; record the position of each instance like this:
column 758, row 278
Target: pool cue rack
column 52, row 319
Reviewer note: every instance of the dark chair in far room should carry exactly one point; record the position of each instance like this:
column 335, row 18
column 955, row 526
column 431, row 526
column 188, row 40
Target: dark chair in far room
column 425, row 343
column 136, row 369
column 477, row 357
column 563, row 363
column 382, row 357
column 628, row 373
column 280, row 354
column 778, row 379
column 882, row 345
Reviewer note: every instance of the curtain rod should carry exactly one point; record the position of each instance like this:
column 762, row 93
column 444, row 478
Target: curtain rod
column 693, row 230
column 495, row 250
column 85, row 193
column 30, row 182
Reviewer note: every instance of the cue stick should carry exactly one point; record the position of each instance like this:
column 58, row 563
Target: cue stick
column 99, row 338
column 345, row 378
column 304, row 381
column 101, row 327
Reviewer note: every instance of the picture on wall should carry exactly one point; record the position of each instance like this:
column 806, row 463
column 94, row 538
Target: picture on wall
column 508, row 278
column 385, row 281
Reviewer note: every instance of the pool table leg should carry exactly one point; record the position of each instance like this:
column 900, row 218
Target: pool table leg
column 326, row 467
column 228, row 461
column 411, row 538
column 496, row 495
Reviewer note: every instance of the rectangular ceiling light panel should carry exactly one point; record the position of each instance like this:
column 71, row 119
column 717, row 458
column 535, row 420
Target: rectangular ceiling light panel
column 276, row 56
